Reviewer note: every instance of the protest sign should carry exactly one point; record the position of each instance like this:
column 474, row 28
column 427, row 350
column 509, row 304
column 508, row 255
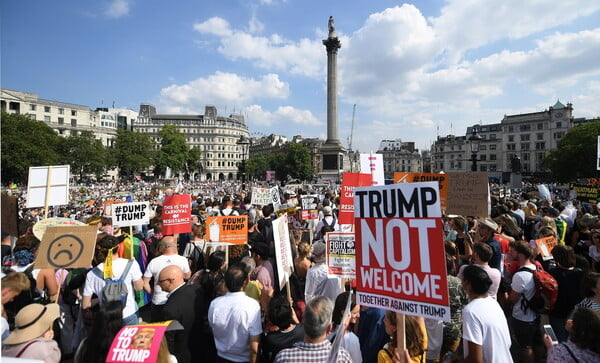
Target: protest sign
column 310, row 202
column 261, row 196
column 442, row 179
column 400, row 257
column 138, row 343
column 67, row 247
column 586, row 193
column 373, row 164
column 275, row 198
column 341, row 255
column 228, row 229
column 131, row 214
column 108, row 206
column 349, row 182
column 48, row 185
column 468, row 194
column 40, row 227
column 545, row 246
column 283, row 250
column 310, row 214
column 176, row 214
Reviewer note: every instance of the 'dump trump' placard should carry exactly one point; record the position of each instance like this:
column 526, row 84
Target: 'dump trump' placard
column 400, row 258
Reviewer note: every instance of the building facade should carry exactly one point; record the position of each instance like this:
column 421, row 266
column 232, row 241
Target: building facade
column 216, row 137
column 399, row 156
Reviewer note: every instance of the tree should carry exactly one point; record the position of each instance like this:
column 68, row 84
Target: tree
column 293, row 161
column 25, row 143
column 132, row 152
column 192, row 160
column 256, row 167
column 575, row 156
column 173, row 152
column 84, row 153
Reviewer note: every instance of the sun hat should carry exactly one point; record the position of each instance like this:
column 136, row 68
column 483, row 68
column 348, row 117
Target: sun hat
column 32, row 322
column 587, row 220
column 489, row 223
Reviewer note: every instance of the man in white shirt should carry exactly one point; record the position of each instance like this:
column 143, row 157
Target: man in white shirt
column 318, row 283
column 486, row 337
column 235, row 319
column 168, row 256
column 480, row 257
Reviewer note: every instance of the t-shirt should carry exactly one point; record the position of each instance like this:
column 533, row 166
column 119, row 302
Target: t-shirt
column 484, row 324
column 523, row 283
column 94, row 284
column 155, row 267
column 569, row 292
column 494, row 275
column 275, row 341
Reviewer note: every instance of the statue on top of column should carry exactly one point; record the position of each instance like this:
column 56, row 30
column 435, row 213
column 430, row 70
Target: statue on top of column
column 331, row 27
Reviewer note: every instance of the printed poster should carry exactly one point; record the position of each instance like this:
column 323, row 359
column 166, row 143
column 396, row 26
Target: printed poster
column 176, row 214
column 341, row 255
column 228, row 229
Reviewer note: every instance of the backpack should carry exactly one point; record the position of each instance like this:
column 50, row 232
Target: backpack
column 114, row 290
column 74, row 280
column 546, row 292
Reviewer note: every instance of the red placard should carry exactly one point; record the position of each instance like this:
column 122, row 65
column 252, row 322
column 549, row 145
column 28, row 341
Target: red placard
column 400, row 257
column 349, row 182
column 176, row 214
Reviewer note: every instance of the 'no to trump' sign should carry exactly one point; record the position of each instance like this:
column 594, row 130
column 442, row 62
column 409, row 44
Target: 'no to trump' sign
column 400, row 258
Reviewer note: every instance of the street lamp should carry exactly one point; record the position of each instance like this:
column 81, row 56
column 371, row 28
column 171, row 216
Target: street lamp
column 244, row 143
column 474, row 141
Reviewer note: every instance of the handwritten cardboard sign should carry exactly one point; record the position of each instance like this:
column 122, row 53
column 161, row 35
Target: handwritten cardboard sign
column 468, row 194
column 67, row 247
column 261, row 196
column 229, row 229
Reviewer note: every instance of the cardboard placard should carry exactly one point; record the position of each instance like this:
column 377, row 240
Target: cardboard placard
column 228, row 229
column 283, row 250
column 341, row 255
column 131, row 214
column 400, row 257
column 261, row 196
column 176, row 214
column 442, row 179
column 9, row 214
column 67, row 247
column 48, row 185
column 349, row 182
column 468, row 194
column 545, row 246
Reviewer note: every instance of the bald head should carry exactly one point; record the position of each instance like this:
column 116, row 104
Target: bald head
column 170, row 278
column 168, row 245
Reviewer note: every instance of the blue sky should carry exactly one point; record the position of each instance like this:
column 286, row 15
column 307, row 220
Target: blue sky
column 411, row 68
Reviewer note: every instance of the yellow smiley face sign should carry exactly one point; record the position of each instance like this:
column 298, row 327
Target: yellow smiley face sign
column 67, row 247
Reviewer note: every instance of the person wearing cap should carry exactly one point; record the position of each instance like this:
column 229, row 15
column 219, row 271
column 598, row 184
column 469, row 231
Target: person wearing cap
column 487, row 229
column 317, row 281
column 33, row 336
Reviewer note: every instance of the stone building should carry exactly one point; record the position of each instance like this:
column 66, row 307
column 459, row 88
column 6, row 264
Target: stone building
column 399, row 156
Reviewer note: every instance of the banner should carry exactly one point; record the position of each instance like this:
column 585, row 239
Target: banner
column 137, row 343
column 228, row 229
column 261, row 196
column 545, row 246
column 442, row 179
column 341, row 255
column 283, row 250
column 176, row 214
column 349, row 182
column 66, row 247
column 400, row 257
column 373, row 164
column 131, row 214
column 310, row 214
column 468, row 194
column 48, row 185
column 586, row 193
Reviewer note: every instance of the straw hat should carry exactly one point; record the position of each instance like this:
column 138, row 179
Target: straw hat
column 587, row 220
column 489, row 223
column 32, row 322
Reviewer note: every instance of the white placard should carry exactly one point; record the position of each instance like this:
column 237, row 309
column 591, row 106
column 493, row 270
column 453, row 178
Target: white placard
column 48, row 185
column 261, row 196
column 373, row 164
column 131, row 214
column 283, row 250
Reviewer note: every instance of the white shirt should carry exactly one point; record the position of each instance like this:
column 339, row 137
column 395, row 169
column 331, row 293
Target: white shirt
column 233, row 318
column 494, row 274
column 484, row 324
column 318, row 283
column 159, row 297
column 523, row 283
column 94, row 284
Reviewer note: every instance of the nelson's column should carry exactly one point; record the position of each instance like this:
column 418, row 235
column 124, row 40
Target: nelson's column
column 332, row 150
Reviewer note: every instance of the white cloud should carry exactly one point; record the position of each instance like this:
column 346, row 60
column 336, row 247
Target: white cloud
column 284, row 115
column 117, row 8
column 255, row 25
column 215, row 26
column 221, row 89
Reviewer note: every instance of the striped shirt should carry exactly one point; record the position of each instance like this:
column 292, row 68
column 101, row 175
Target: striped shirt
column 303, row 352
column 588, row 303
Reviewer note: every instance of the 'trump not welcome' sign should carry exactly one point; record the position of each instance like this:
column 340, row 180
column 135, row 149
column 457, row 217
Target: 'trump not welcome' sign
column 400, row 261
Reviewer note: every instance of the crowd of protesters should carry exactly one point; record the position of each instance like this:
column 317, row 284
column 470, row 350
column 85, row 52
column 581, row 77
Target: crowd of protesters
column 232, row 309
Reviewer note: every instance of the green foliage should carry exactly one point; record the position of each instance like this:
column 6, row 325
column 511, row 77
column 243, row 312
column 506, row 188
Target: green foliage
column 193, row 159
column 25, row 143
column 132, row 152
column 576, row 156
column 84, row 153
column 173, row 152
column 293, row 161
column 256, row 167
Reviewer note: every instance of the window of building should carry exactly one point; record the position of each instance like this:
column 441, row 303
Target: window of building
column 493, row 147
column 540, row 145
column 525, row 146
column 46, row 108
column 524, row 137
column 558, row 125
column 482, row 147
column 511, row 129
column 47, row 118
column 511, row 138
column 483, row 157
column 73, row 122
column 32, row 107
column 525, row 156
column 61, row 111
column 540, row 126
column 511, row 146
column 524, row 128
column 73, row 112
column 61, row 120
column 483, row 168
column 540, row 136
column 493, row 167
column 558, row 135
column 492, row 156
column 492, row 136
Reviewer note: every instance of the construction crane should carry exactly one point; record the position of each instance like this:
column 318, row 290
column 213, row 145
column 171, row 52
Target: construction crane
column 351, row 128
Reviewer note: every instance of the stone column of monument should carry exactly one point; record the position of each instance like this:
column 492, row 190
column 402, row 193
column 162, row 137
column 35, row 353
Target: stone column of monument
column 332, row 150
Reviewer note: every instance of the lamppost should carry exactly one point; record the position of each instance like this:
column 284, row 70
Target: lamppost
column 474, row 141
column 244, row 143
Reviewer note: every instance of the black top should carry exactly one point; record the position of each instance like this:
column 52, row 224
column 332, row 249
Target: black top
column 275, row 341
column 569, row 292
